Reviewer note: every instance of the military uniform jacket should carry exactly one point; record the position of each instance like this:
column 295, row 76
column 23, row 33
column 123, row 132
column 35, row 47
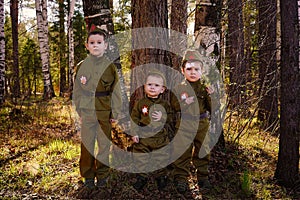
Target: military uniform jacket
column 141, row 114
column 189, row 112
column 96, row 88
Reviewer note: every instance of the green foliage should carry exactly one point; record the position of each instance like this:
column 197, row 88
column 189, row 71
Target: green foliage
column 246, row 183
column 80, row 34
column 121, row 15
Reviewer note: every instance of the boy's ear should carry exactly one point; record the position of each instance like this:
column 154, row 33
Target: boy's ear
column 163, row 90
column 182, row 70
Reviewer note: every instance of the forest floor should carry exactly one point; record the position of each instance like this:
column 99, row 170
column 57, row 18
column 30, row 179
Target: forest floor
column 39, row 154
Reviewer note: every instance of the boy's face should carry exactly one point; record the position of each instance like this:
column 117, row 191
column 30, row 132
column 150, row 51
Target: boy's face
column 96, row 45
column 192, row 71
column 154, row 86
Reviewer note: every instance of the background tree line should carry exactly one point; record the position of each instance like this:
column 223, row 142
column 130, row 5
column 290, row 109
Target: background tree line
column 255, row 45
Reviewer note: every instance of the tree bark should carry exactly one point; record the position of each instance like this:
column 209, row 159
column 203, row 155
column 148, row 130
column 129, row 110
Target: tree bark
column 178, row 39
column 2, row 53
column 71, row 45
column 14, row 27
column 42, row 22
column 287, row 169
column 62, row 49
column 146, row 14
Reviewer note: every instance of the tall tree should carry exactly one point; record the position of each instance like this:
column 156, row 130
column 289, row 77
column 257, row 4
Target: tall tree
column 62, row 48
column 145, row 14
column 71, row 43
column 287, row 170
column 236, row 52
column 178, row 39
column 2, row 53
column 14, row 23
column 268, row 105
column 42, row 22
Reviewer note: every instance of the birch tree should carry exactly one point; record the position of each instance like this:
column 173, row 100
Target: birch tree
column 2, row 53
column 42, row 22
column 71, row 44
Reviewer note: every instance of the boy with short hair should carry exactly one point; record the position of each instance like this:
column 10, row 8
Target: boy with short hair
column 192, row 92
column 96, row 94
column 151, row 116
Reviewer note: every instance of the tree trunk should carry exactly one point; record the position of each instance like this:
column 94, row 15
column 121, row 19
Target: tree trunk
column 178, row 39
column 14, row 27
column 97, row 14
column 71, row 45
column 42, row 22
column 236, row 53
column 268, row 105
column 146, row 14
column 249, row 29
column 62, row 49
column 207, row 33
column 2, row 53
column 287, row 170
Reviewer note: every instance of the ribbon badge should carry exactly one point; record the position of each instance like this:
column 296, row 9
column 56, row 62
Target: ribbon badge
column 145, row 110
column 83, row 80
column 183, row 96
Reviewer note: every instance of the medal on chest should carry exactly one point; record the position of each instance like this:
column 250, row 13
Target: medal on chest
column 145, row 110
column 83, row 80
column 184, row 96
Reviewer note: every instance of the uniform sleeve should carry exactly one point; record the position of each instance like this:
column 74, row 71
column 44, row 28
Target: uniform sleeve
column 77, row 90
column 135, row 119
column 170, row 125
column 116, row 95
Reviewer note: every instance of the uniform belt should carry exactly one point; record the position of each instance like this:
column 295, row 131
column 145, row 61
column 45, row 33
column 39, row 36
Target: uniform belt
column 187, row 116
column 96, row 94
column 102, row 94
column 149, row 129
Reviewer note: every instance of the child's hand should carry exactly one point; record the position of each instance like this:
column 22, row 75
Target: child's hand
column 135, row 139
column 125, row 126
column 189, row 100
column 210, row 89
column 156, row 115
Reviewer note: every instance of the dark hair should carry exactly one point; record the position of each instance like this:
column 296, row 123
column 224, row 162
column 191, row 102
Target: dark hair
column 97, row 32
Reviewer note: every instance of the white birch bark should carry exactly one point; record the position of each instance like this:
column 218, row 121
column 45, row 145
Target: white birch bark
column 42, row 22
column 71, row 44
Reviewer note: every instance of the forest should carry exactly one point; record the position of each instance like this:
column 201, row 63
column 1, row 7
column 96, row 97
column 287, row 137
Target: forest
column 250, row 51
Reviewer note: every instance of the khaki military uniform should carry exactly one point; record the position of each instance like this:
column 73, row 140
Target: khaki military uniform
column 187, row 117
column 153, row 135
column 96, row 93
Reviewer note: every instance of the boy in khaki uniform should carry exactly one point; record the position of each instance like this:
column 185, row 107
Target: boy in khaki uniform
column 95, row 94
column 190, row 92
column 151, row 116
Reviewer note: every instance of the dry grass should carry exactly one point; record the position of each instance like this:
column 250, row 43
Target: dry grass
column 39, row 151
